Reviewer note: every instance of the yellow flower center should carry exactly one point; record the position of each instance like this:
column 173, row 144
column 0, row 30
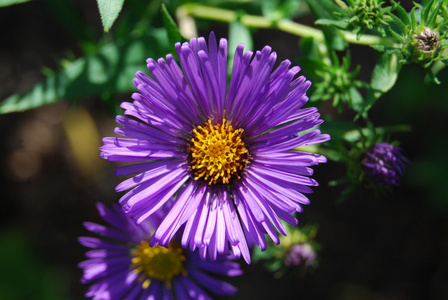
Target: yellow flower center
column 158, row 263
column 217, row 152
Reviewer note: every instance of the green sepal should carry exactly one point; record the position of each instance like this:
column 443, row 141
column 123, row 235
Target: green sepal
column 401, row 12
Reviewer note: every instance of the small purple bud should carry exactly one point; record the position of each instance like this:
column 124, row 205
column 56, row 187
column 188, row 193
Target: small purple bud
column 426, row 44
column 384, row 164
column 300, row 255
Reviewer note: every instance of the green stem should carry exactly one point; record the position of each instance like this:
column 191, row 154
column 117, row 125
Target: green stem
column 228, row 16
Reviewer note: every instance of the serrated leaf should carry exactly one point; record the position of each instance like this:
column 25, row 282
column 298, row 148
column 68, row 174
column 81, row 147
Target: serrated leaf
column 109, row 11
column 11, row 2
column 110, row 70
column 172, row 30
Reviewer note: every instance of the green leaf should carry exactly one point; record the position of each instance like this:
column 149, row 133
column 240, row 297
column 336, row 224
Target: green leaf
column 328, row 22
column 109, row 11
column 385, row 73
column 11, row 2
column 383, row 79
column 174, row 35
column 238, row 33
column 111, row 70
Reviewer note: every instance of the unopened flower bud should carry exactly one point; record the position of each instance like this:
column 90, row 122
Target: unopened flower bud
column 426, row 44
column 384, row 164
column 300, row 255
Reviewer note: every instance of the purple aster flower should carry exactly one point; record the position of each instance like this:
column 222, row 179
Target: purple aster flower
column 224, row 151
column 384, row 164
column 122, row 265
column 300, row 255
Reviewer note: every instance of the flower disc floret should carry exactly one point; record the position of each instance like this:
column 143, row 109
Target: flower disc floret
column 218, row 153
column 158, row 263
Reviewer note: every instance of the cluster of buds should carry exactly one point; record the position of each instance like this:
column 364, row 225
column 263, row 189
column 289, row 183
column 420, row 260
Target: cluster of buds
column 365, row 14
column 338, row 83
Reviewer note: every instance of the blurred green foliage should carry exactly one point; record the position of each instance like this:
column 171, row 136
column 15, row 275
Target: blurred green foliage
column 23, row 275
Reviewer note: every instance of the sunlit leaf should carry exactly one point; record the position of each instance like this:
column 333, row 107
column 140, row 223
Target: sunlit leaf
column 109, row 11
column 238, row 34
column 11, row 2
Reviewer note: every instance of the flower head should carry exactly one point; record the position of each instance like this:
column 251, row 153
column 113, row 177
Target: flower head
column 122, row 265
column 224, row 152
column 384, row 164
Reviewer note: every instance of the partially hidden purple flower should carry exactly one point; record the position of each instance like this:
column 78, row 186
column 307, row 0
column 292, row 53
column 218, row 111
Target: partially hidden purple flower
column 384, row 164
column 122, row 265
column 224, row 151
column 300, row 255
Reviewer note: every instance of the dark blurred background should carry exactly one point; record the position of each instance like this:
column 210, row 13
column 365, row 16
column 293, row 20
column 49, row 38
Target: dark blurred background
column 386, row 247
